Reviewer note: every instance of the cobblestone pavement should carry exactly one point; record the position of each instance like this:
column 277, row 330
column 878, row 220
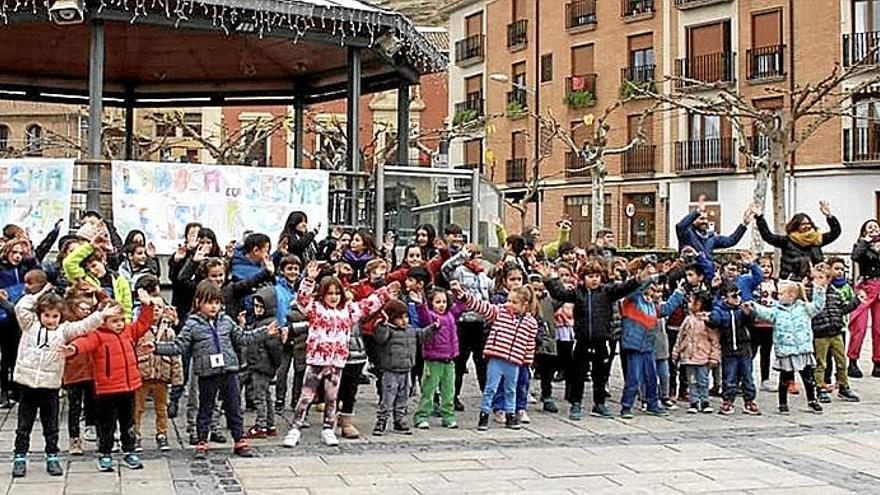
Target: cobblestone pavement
column 803, row 453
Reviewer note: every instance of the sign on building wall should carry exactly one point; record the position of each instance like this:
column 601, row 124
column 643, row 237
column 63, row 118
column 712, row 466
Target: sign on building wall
column 35, row 194
column 161, row 198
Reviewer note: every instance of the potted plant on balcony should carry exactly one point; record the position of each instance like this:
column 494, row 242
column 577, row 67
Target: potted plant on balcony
column 631, row 89
column 464, row 116
column 515, row 108
column 580, row 98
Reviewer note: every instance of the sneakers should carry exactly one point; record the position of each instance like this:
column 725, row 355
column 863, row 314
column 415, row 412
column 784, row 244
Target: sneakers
column 329, row 437
column 715, row 391
column 292, row 438
column 823, row 396
column 727, row 408
column 138, row 445
column 76, row 446
column 89, row 434
column 218, row 437
column 271, row 431
column 511, row 421
column 132, row 461
column 201, row 452
column 452, row 425
column 19, row 466
column 255, row 432
column 193, row 438
column 626, row 413
column 549, row 405
column 658, row 412
column 853, row 369
column 105, row 464
column 242, row 449
column 601, row 411
column 576, row 413
column 783, row 409
column 847, row 395
column 458, row 405
column 381, row 426
column 751, row 408
column 523, row 417
column 706, row 407
column 402, row 427
column 53, row 465
column 423, row 425
column 279, row 406
column 815, row 407
column 483, row 422
column 669, row 404
column 768, row 386
column 876, row 371
column 162, row 443
column 693, row 408
column 499, row 417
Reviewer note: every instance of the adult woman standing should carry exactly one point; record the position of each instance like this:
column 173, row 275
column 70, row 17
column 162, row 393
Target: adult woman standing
column 802, row 243
column 866, row 255
column 296, row 238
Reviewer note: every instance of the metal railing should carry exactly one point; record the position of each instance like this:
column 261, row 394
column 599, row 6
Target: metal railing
column 859, row 46
column 474, row 103
column 765, row 62
column 470, row 49
column 692, row 4
column 861, row 145
column 638, row 73
column 517, row 95
column 640, row 160
column 518, row 33
column 515, row 170
column 710, row 68
column 705, row 155
column 629, row 8
column 580, row 13
column 574, row 165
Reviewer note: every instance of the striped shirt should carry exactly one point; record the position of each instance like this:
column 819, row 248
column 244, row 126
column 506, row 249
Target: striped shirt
column 511, row 336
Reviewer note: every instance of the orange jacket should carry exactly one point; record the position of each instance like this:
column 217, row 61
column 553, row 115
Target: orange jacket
column 113, row 355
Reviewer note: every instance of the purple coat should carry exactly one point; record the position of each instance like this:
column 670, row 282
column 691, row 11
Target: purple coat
column 443, row 346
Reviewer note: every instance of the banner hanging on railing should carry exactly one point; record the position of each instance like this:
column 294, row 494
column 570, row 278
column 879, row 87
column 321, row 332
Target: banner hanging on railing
column 35, row 194
column 161, row 198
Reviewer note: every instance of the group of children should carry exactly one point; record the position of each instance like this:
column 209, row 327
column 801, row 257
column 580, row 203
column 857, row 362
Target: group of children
column 93, row 322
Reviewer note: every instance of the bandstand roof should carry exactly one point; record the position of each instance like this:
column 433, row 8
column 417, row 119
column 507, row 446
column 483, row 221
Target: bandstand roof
column 210, row 52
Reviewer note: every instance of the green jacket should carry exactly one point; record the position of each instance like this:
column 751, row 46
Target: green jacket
column 550, row 250
column 73, row 270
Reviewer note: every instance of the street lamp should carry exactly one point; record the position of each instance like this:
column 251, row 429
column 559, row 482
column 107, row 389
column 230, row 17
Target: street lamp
column 503, row 78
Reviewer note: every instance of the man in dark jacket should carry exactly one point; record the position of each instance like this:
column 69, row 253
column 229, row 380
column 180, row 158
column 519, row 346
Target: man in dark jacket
column 592, row 327
column 693, row 230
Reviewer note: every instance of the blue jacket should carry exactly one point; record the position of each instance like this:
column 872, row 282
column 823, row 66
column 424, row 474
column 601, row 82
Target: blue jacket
column 749, row 283
column 284, row 296
column 704, row 242
column 792, row 324
column 242, row 267
column 12, row 281
column 733, row 326
column 640, row 319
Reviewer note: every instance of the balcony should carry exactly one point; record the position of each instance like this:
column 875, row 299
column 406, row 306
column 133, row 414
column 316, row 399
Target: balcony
column 861, row 146
column 636, row 8
column 707, row 69
column 574, row 165
column 705, row 155
column 858, row 46
column 469, row 110
column 580, row 90
column 693, row 4
column 632, row 79
column 639, row 160
column 766, row 63
column 518, row 34
column 470, row 50
column 516, row 103
column 580, row 14
column 463, row 185
column 515, row 170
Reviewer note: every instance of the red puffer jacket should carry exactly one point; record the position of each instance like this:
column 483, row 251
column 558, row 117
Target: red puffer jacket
column 113, row 354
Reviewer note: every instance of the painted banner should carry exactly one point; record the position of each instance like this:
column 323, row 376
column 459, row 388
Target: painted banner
column 35, row 193
column 161, row 198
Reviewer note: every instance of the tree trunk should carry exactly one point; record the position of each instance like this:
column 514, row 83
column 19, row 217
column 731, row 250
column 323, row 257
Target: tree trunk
column 597, row 176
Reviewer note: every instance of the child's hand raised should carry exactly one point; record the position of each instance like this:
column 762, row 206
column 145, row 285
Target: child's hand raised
column 268, row 264
column 241, row 318
column 151, row 250
column 180, row 252
column 416, row 297
column 457, row 289
column 273, row 329
column 68, row 350
column 146, row 347
column 313, row 270
column 748, row 307
column 111, row 311
column 393, row 288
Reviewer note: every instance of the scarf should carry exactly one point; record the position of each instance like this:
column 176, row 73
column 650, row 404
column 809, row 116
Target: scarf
column 474, row 266
column 839, row 282
column 807, row 239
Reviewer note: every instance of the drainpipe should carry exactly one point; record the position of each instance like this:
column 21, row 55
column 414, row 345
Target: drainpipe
column 539, row 196
column 791, row 86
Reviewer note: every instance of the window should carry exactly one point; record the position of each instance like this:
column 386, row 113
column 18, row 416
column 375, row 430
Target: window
column 701, row 127
column 632, row 124
column 641, row 50
column 34, row 139
column 767, row 28
column 582, row 60
column 163, row 129
column 704, row 188
column 192, row 156
column 765, row 56
column 473, row 87
column 709, row 39
column 760, row 142
column 518, row 144
column 194, row 122
column 473, row 153
column 473, row 24
column 866, row 16
column 519, row 9
column 4, row 137
column 546, row 67
column 259, row 155
column 519, row 74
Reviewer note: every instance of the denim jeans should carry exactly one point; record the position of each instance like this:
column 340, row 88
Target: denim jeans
column 662, row 366
column 640, row 368
column 498, row 370
column 523, row 379
column 698, row 382
column 737, row 369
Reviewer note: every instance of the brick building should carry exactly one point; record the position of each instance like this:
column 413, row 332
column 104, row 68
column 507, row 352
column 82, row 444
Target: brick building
column 573, row 57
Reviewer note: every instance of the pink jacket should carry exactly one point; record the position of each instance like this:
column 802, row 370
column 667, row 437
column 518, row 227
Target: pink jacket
column 330, row 329
column 697, row 344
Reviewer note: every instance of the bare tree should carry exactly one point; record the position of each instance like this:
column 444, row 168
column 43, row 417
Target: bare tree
column 778, row 133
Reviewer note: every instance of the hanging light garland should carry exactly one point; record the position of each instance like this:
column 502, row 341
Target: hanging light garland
column 262, row 16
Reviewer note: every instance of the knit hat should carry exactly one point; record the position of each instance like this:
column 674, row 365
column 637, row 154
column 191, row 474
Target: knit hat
column 88, row 231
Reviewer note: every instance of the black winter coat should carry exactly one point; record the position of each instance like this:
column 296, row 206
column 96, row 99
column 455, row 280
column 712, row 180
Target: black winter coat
column 830, row 321
column 592, row 308
column 867, row 258
column 796, row 258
